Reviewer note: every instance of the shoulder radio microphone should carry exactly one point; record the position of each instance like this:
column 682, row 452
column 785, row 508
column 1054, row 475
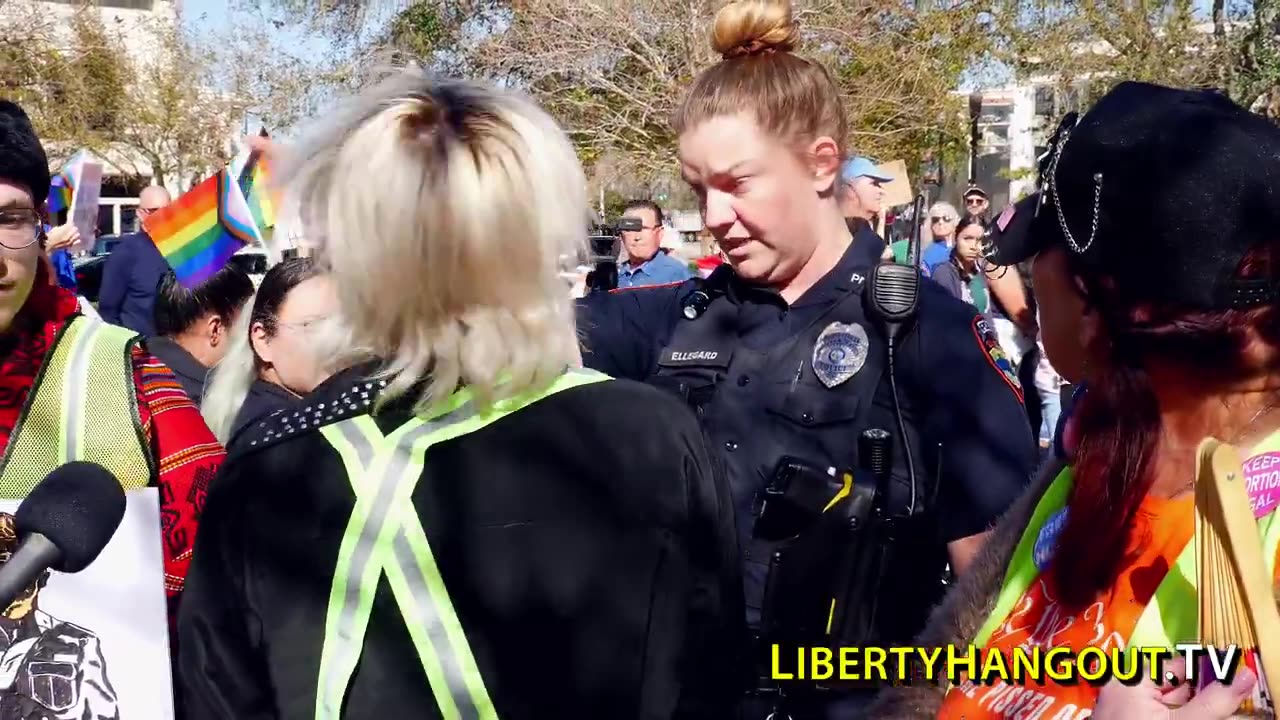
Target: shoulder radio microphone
column 63, row 525
column 893, row 298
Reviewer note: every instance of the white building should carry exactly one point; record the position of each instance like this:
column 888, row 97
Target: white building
column 1013, row 131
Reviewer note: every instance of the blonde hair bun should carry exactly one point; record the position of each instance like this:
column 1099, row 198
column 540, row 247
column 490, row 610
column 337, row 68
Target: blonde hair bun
column 754, row 27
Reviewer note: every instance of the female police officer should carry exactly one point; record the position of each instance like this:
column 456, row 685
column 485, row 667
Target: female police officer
column 778, row 351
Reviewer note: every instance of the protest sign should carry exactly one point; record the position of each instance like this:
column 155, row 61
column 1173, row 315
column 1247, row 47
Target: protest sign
column 94, row 644
column 87, row 180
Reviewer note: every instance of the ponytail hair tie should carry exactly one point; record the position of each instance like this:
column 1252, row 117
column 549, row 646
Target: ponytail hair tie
column 751, row 47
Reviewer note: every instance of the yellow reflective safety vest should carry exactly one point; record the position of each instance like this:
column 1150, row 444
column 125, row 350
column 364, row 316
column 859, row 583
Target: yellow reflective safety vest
column 385, row 536
column 1172, row 614
column 83, row 406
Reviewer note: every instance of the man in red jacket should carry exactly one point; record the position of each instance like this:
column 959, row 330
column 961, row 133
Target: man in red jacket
column 73, row 388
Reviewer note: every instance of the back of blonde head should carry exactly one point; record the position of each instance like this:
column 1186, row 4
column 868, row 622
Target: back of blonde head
column 442, row 209
column 794, row 99
column 228, row 385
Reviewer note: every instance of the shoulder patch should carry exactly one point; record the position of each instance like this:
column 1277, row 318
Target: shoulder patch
column 987, row 338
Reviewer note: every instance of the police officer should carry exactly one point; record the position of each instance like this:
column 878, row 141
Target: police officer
column 778, row 351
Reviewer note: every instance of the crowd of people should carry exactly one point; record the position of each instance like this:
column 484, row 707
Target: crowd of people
column 409, row 475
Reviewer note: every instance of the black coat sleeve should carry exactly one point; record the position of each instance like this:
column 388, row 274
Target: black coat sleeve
column 988, row 449
column 623, row 331
column 221, row 672
column 715, row 667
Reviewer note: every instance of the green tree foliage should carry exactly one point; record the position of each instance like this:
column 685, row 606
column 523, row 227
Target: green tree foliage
column 149, row 99
column 613, row 71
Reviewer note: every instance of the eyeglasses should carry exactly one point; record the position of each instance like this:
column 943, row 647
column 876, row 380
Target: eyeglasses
column 18, row 228
column 306, row 325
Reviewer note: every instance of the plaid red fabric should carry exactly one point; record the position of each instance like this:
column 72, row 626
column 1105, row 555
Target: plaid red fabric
column 184, row 448
column 188, row 457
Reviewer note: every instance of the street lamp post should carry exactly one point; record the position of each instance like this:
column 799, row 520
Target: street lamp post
column 975, row 111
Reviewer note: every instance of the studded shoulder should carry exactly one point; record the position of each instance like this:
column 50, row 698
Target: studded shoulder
column 317, row 410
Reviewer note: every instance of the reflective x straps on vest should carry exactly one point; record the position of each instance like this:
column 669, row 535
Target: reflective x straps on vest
column 385, row 534
column 1171, row 616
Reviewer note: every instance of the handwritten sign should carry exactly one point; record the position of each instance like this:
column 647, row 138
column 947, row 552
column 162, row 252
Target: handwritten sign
column 898, row 190
column 1262, row 475
column 84, row 203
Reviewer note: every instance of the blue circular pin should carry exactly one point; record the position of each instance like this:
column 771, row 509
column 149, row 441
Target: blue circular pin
column 1047, row 540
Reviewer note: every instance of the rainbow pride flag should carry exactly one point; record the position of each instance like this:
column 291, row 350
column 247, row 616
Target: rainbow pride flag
column 253, row 173
column 200, row 232
column 63, row 186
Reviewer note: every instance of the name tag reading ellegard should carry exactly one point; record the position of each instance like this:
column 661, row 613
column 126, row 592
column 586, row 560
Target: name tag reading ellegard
column 94, row 644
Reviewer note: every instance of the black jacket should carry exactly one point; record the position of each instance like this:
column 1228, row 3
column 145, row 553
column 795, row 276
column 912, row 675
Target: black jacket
column 586, row 542
column 263, row 399
column 190, row 373
column 130, row 278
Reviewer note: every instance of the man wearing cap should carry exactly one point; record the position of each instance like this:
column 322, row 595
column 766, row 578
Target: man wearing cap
column 72, row 388
column 976, row 203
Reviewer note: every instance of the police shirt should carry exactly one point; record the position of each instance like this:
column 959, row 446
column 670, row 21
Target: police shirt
column 951, row 363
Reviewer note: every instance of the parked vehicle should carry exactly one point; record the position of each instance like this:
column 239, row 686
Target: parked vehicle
column 252, row 260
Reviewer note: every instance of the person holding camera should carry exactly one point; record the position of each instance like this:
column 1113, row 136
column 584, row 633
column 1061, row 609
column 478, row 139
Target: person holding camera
column 647, row 262
column 783, row 356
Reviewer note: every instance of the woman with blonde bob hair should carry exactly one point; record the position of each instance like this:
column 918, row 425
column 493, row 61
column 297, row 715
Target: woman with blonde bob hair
column 535, row 566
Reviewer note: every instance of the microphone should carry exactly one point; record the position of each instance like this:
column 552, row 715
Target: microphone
column 64, row 523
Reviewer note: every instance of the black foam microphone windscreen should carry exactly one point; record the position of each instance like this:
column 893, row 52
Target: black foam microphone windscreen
column 78, row 508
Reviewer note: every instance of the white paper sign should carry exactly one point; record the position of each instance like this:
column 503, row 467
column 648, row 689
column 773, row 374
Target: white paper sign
column 96, row 644
column 87, row 178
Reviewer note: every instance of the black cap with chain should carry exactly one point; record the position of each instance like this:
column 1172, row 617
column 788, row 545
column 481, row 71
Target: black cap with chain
column 1163, row 190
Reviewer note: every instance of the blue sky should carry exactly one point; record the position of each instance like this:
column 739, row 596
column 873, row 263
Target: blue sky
column 214, row 15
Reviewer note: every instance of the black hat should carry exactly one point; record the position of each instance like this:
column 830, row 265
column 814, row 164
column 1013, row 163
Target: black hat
column 1163, row 190
column 21, row 156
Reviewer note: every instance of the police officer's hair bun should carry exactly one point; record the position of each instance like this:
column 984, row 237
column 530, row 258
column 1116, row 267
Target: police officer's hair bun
column 794, row 99
column 754, row 27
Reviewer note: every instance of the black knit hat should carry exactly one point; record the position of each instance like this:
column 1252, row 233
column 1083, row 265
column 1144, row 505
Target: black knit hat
column 22, row 158
column 1164, row 190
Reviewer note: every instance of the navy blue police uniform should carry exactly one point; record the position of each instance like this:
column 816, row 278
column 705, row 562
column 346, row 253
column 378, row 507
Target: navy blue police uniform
column 770, row 381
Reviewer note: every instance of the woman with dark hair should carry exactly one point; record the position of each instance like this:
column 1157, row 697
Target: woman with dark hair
column 962, row 275
column 1170, row 316
column 275, row 358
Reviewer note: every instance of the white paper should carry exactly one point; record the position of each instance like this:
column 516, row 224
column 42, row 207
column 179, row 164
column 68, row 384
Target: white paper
column 116, row 604
column 87, row 176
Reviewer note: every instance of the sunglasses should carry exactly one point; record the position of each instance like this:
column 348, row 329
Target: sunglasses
column 940, row 218
column 974, row 201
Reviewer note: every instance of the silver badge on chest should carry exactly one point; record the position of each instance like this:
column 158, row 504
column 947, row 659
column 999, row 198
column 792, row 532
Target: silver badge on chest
column 840, row 353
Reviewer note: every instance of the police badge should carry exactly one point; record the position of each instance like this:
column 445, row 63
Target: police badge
column 840, row 353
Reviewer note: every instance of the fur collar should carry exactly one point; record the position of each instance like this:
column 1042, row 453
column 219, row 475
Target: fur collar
column 958, row 618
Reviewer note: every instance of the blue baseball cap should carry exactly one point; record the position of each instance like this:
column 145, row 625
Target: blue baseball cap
column 856, row 167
